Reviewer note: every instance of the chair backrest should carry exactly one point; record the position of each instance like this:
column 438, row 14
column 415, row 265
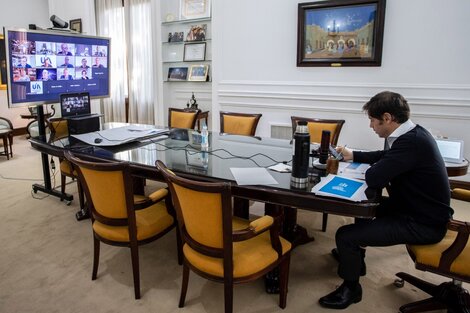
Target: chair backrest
column 239, row 123
column 181, row 118
column 317, row 125
column 59, row 128
column 108, row 189
column 204, row 213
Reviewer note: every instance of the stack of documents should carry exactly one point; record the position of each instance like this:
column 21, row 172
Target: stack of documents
column 341, row 187
column 353, row 170
column 120, row 135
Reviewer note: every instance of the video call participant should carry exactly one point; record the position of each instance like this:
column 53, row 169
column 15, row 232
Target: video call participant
column 45, row 75
column 84, row 64
column 66, row 75
column 23, row 77
column 66, row 63
column 64, row 50
column 47, row 62
column 97, row 63
column 418, row 207
column 24, row 62
column 84, row 74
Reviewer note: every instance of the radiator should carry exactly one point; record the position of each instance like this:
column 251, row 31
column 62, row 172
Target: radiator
column 281, row 131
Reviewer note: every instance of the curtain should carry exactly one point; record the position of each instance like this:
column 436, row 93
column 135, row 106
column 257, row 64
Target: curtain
column 110, row 23
column 140, row 61
column 132, row 66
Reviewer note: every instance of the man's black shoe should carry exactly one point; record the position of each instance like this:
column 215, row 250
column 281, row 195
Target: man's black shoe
column 342, row 297
column 335, row 254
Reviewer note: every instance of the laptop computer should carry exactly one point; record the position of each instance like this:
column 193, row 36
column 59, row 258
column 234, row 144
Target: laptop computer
column 76, row 105
column 451, row 149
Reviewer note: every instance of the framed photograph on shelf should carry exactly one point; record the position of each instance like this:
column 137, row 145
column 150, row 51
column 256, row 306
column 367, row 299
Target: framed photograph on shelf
column 177, row 73
column 76, row 25
column 192, row 9
column 340, row 33
column 198, row 73
column 176, row 37
column 194, row 52
column 197, row 33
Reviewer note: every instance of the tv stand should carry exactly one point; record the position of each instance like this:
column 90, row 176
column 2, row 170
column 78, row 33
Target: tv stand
column 47, row 187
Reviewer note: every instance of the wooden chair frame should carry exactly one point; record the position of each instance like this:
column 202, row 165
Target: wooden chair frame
column 193, row 123
column 333, row 138
column 254, row 126
column 63, row 175
column 445, row 295
column 229, row 237
column 10, row 135
column 130, row 221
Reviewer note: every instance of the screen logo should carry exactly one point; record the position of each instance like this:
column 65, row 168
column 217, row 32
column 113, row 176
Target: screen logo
column 36, row 87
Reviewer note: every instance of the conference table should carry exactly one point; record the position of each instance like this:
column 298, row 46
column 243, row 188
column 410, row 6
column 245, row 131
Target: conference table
column 180, row 152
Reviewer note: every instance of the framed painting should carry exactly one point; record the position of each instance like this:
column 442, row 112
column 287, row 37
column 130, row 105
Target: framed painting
column 340, row 33
column 3, row 64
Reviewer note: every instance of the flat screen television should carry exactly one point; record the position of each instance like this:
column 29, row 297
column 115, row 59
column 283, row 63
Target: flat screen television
column 42, row 65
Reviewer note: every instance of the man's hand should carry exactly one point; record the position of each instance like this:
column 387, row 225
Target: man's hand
column 347, row 153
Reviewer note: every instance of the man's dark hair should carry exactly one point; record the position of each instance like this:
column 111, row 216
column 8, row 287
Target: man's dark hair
column 388, row 102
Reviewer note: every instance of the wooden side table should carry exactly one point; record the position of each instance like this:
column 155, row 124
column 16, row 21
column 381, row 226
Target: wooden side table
column 7, row 136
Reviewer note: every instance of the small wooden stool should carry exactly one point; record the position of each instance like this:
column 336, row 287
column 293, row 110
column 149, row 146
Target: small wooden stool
column 6, row 135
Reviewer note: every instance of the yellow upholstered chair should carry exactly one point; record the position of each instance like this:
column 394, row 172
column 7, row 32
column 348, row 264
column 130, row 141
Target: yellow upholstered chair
column 221, row 247
column 449, row 258
column 181, row 118
column 315, row 127
column 239, row 123
column 59, row 129
column 116, row 220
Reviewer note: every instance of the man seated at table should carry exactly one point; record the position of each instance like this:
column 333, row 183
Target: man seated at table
column 418, row 207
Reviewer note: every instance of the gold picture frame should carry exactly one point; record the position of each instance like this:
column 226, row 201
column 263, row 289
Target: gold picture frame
column 76, row 25
column 198, row 73
column 3, row 64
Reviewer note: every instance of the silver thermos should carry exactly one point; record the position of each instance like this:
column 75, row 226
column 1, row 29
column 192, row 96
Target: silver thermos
column 301, row 155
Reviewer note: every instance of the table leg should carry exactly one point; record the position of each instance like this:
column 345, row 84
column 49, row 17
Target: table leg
column 10, row 139
column 5, row 146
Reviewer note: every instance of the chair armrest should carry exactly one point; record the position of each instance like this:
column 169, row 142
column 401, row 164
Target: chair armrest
column 158, row 195
column 255, row 228
column 6, row 121
column 451, row 253
column 461, row 194
column 151, row 199
column 258, row 227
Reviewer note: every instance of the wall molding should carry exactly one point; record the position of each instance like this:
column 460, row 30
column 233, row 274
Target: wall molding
column 345, row 85
column 272, row 106
column 349, row 98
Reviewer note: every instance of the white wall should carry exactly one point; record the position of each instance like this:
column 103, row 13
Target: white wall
column 425, row 58
column 20, row 14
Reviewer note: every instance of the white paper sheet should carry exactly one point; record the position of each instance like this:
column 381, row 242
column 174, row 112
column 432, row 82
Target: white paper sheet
column 281, row 168
column 120, row 135
column 253, row 176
